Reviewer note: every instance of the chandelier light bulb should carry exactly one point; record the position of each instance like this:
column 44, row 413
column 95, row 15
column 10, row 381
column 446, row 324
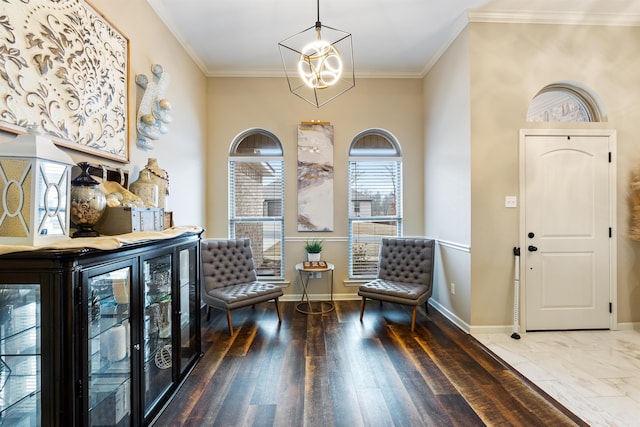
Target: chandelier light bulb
column 320, row 65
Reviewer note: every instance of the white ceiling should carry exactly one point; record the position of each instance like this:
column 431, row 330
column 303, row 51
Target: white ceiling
column 391, row 38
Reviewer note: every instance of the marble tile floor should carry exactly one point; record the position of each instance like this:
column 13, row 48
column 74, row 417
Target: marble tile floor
column 594, row 374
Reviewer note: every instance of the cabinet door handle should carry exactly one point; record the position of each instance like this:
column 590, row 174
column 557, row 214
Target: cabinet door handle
column 137, row 347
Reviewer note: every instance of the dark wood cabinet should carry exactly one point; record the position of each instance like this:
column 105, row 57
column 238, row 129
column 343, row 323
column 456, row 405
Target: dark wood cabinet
column 94, row 337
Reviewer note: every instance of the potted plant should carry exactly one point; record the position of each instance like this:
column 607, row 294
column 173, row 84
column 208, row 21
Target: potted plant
column 313, row 248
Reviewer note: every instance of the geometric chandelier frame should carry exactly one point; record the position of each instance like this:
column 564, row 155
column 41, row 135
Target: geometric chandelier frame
column 318, row 63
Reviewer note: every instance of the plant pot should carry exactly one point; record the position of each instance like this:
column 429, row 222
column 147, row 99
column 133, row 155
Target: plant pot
column 313, row 257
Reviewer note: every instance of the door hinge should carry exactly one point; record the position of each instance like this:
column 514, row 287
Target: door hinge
column 79, row 390
column 609, row 156
column 610, row 307
column 610, row 232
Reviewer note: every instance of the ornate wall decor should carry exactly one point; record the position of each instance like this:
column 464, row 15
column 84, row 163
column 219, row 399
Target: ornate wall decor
column 153, row 111
column 315, row 177
column 64, row 68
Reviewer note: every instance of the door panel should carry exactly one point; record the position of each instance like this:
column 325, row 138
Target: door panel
column 567, row 260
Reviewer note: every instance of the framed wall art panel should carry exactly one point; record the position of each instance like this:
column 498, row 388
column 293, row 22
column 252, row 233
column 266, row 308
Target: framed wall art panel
column 64, row 68
column 315, row 177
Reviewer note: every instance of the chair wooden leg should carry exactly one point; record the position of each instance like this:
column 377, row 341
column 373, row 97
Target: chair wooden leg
column 413, row 317
column 362, row 308
column 229, row 322
column 208, row 312
column 278, row 311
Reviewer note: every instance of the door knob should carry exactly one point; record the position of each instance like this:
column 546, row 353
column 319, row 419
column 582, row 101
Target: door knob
column 532, row 248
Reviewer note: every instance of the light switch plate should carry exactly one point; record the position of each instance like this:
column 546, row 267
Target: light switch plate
column 510, row 202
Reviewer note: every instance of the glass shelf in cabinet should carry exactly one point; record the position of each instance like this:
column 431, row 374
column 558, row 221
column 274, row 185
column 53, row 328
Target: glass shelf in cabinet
column 101, row 366
column 20, row 386
column 27, row 342
column 105, row 323
column 153, row 346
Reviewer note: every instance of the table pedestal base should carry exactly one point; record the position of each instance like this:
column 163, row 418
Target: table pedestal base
column 306, row 307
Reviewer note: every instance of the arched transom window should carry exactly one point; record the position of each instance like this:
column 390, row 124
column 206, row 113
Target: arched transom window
column 564, row 102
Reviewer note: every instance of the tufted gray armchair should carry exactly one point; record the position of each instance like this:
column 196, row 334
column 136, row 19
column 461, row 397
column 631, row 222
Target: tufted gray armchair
column 229, row 279
column 405, row 274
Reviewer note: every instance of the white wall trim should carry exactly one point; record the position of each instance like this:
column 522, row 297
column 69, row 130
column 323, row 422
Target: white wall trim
column 321, row 297
column 628, row 326
column 454, row 245
column 324, row 238
column 464, row 326
column 492, row 329
column 451, row 316
column 554, row 17
column 531, row 17
column 458, row 26
column 355, row 282
column 435, row 305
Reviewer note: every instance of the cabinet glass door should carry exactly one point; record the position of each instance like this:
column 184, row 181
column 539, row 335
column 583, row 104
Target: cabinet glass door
column 20, row 355
column 157, row 372
column 109, row 387
column 188, row 308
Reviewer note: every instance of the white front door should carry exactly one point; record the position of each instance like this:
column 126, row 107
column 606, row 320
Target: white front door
column 568, row 223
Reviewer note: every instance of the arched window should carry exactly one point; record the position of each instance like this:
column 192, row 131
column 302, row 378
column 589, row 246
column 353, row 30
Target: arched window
column 564, row 102
column 256, row 197
column 375, row 198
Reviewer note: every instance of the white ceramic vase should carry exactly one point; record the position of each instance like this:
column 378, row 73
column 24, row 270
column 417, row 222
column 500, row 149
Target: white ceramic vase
column 314, row 257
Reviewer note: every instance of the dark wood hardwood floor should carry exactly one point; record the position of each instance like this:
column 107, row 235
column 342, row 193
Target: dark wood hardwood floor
column 332, row 370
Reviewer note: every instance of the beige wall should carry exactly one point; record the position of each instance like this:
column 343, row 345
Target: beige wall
column 509, row 64
column 463, row 131
column 506, row 65
column 447, row 127
column 499, row 66
column 179, row 152
column 237, row 104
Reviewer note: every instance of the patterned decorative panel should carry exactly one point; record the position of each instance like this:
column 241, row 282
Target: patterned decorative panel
column 64, row 68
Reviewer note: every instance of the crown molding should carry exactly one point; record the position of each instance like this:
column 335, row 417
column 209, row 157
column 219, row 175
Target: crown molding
column 532, row 17
column 554, row 17
column 459, row 24
column 267, row 73
column 165, row 17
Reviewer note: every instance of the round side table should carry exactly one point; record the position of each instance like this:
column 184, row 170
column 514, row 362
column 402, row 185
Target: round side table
column 305, row 276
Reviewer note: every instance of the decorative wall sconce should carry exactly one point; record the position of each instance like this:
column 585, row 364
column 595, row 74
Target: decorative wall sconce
column 35, row 178
column 153, row 111
column 318, row 63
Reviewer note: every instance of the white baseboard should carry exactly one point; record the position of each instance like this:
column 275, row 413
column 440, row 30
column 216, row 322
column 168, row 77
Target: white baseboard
column 629, row 326
column 321, row 297
column 492, row 329
column 464, row 326
column 472, row 330
column 449, row 315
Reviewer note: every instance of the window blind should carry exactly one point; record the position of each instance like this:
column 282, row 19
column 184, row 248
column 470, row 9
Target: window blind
column 375, row 211
column 256, row 197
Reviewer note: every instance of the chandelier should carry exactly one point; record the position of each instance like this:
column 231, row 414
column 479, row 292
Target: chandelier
column 318, row 62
